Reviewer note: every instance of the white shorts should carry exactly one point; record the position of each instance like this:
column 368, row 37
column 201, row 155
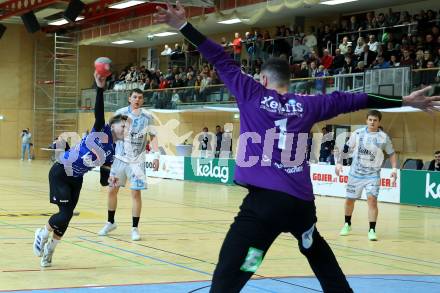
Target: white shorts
column 355, row 186
column 135, row 172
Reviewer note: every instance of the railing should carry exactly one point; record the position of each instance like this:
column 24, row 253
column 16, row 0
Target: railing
column 391, row 81
column 409, row 28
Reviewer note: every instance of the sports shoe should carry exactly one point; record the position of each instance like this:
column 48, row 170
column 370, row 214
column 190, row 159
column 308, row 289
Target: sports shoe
column 107, row 229
column 372, row 235
column 135, row 236
column 46, row 260
column 39, row 242
column 345, row 230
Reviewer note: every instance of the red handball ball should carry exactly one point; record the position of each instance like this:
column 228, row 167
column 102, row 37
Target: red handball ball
column 103, row 66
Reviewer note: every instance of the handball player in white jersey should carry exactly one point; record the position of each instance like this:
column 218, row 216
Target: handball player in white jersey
column 368, row 145
column 129, row 163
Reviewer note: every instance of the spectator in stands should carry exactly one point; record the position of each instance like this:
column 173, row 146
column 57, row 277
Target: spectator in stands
column 429, row 43
column 320, row 82
column 169, row 75
column 189, row 92
column 327, row 59
column 204, row 87
column 177, row 82
column 381, row 63
column 437, row 57
column 325, row 38
column 314, row 57
column 360, row 67
column 197, row 85
column 394, row 62
column 405, row 18
column 367, row 56
column 310, row 40
column 249, row 41
column 237, row 45
column 301, row 87
column 360, row 46
column 163, row 83
column 166, row 51
column 257, row 74
column 406, row 59
column 219, row 137
column 353, row 25
column 175, row 100
column 344, row 46
column 393, row 17
column 382, row 21
column 299, row 51
column 380, row 51
column 391, row 50
column 313, row 69
column 427, row 57
column 227, row 46
column 338, row 62
column 418, row 64
column 370, row 22
column 429, row 76
column 267, row 45
column 435, row 164
column 348, row 65
column 372, row 44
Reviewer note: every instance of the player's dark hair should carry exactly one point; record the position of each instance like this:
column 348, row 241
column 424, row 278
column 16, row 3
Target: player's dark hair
column 137, row 91
column 437, row 152
column 375, row 113
column 118, row 118
column 277, row 70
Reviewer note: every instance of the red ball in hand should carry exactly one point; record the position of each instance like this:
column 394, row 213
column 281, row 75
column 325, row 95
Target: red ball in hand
column 103, row 66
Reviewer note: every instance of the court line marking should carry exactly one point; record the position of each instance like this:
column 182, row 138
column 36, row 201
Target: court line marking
column 374, row 276
column 384, row 253
column 200, row 260
column 371, row 253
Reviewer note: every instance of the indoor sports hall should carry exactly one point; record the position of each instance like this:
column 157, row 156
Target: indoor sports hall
column 220, row 146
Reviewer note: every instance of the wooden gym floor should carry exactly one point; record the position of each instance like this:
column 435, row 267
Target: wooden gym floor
column 183, row 225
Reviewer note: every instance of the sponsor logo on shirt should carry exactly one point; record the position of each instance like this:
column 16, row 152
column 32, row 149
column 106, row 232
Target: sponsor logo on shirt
column 291, row 108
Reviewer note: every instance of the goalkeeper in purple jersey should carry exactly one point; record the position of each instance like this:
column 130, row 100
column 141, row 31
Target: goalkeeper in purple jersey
column 274, row 127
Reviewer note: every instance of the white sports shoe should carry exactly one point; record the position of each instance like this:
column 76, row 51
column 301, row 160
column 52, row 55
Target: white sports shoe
column 39, row 242
column 135, row 236
column 46, row 260
column 108, row 227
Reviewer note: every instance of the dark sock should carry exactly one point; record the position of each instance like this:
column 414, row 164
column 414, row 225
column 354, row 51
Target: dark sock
column 135, row 221
column 111, row 216
column 348, row 220
column 373, row 226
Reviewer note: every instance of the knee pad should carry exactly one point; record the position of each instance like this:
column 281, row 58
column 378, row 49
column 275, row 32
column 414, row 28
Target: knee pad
column 60, row 221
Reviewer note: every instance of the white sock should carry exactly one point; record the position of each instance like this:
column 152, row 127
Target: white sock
column 53, row 243
column 45, row 232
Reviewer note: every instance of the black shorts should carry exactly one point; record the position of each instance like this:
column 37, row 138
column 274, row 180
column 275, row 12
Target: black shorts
column 64, row 190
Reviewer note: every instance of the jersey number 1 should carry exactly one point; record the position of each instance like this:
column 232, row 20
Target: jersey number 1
column 282, row 124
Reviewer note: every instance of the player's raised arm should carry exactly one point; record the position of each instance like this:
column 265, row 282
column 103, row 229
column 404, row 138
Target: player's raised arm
column 331, row 105
column 99, row 103
column 239, row 84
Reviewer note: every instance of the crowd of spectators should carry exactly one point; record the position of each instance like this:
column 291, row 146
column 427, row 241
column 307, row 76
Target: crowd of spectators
column 350, row 45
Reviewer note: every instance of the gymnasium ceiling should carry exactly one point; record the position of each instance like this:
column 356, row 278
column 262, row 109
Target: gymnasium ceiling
column 209, row 25
column 283, row 16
